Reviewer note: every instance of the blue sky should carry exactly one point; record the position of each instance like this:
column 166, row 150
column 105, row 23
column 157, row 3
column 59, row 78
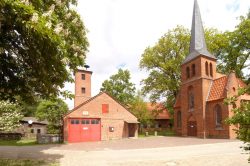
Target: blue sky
column 120, row 30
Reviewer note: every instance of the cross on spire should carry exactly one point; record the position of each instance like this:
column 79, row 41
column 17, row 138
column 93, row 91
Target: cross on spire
column 197, row 43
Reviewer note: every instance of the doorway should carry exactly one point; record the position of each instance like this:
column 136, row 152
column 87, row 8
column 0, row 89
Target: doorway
column 192, row 128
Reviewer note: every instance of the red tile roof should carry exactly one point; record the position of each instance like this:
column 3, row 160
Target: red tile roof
column 218, row 89
column 241, row 83
column 163, row 112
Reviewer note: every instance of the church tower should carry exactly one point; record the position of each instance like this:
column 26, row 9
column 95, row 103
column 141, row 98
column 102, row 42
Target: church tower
column 197, row 73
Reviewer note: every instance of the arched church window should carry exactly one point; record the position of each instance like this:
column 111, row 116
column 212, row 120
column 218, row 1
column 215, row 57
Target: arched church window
column 188, row 72
column 218, row 115
column 206, row 67
column 193, row 69
column 179, row 119
column 211, row 70
column 190, row 98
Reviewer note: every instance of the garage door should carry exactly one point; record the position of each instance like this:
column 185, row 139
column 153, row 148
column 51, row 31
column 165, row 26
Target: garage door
column 84, row 130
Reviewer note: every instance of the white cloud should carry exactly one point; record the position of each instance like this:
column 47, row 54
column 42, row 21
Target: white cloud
column 120, row 30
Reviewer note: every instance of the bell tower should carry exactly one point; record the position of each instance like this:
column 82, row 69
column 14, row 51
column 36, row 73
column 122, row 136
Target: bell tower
column 197, row 73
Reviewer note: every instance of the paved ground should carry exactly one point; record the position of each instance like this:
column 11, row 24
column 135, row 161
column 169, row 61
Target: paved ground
column 158, row 151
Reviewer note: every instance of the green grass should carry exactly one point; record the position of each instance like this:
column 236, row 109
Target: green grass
column 22, row 142
column 20, row 162
column 159, row 133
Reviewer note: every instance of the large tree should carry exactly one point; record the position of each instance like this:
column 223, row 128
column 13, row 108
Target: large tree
column 236, row 53
column 120, row 87
column 53, row 111
column 41, row 43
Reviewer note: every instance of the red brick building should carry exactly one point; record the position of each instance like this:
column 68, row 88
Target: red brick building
column 199, row 107
column 160, row 114
column 96, row 118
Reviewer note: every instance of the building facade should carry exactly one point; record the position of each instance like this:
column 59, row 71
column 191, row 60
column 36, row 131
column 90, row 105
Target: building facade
column 199, row 108
column 97, row 118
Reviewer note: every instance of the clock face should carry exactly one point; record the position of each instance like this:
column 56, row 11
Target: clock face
column 30, row 121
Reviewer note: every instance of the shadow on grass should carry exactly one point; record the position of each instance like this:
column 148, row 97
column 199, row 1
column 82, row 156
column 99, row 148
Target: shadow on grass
column 28, row 152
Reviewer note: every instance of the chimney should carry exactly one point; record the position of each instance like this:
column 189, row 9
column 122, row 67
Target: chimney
column 82, row 86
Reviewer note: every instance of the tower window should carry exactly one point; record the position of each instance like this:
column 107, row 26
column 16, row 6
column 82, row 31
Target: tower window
column 188, row 72
column 206, row 65
column 211, row 70
column 83, row 76
column 190, row 98
column 179, row 119
column 193, row 69
column 83, row 90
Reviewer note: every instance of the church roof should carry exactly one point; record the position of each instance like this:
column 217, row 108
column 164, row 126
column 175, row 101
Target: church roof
column 197, row 43
column 218, row 89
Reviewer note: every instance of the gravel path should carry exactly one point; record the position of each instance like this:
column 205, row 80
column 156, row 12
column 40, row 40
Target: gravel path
column 158, row 151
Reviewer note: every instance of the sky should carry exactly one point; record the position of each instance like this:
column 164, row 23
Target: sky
column 120, row 30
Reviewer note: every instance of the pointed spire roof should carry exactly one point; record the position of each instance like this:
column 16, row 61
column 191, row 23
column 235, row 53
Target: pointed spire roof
column 197, row 44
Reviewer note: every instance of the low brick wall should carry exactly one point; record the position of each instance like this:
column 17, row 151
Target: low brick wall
column 10, row 136
column 48, row 138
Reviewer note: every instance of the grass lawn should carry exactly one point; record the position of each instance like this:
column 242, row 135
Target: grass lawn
column 19, row 162
column 159, row 133
column 22, row 142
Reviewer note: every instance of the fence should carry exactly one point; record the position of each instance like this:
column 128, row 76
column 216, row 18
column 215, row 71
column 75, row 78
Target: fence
column 10, row 136
column 48, row 138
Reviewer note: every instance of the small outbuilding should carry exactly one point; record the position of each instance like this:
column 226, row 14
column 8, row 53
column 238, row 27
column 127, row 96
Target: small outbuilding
column 97, row 118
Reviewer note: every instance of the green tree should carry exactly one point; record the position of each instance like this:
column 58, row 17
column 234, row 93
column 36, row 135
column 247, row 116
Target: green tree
column 53, row 111
column 236, row 54
column 163, row 62
column 41, row 43
column 120, row 87
column 10, row 116
column 139, row 109
column 241, row 118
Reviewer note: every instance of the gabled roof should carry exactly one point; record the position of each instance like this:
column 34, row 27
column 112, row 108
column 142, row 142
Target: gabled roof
column 92, row 98
column 163, row 112
column 34, row 120
column 218, row 89
column 197, row 44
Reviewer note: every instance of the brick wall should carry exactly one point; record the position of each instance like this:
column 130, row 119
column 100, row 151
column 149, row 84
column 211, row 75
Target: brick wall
column 116, row 117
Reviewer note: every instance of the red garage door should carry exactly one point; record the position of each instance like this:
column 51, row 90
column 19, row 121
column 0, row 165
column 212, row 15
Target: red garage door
column 84, row 130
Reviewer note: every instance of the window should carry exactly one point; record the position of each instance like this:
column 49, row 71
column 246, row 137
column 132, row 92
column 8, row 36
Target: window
column 83, row 90
column 94, row 121
column 218, row 116
column 179, row 119
column 38, row 131
column 85, row 121
column 193, row 69
column 74, row 121
column 32, row 131
column 187, row 72
column 83, row 76
column 105, row 108
column 211, row 70
column 190, row 98
column 206, row 66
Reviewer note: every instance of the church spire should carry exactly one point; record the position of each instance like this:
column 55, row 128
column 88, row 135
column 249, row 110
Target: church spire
column 197, row 44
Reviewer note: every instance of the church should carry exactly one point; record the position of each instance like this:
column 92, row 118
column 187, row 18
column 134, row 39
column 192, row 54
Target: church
column 199, row 109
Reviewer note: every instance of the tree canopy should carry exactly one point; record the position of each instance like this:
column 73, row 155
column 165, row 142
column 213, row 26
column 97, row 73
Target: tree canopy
column 53, row 111
column 41, row 43
column 120, row 87
column 139, row 109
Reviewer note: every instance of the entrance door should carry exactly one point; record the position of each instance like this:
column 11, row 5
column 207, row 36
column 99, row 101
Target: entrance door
column 192, row 128
column 131, row 129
